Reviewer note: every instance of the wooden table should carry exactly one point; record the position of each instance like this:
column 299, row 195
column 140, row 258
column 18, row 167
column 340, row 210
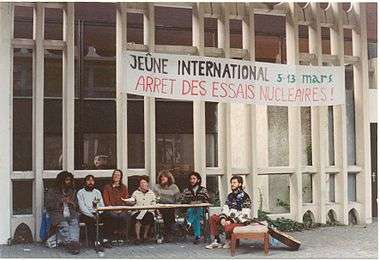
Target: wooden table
column 156, row 207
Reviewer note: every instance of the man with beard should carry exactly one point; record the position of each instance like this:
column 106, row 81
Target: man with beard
column 235, row 213
column 195, row 194
column 62, row 206
column 88, row 199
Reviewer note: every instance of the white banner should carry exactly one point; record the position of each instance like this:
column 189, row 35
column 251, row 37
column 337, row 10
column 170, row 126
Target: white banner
column 188, row 77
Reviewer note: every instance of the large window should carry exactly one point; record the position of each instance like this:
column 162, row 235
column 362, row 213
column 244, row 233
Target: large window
column 278, row 136
column 135, row 125
column 53, row 110
column 95, row 106
column 22, row 192
column 307, row 158
column 22, row 110
column 175, row 139
column 211, row 134
column 330, row 122
column 173, row 26
column 279, row 193
column 95, row 137
column 350, row 113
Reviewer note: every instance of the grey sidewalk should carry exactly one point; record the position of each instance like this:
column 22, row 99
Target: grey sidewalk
column 330, row 242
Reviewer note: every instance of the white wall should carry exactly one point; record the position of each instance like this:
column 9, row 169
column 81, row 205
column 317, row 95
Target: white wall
column 373, row 99
column 6, row 50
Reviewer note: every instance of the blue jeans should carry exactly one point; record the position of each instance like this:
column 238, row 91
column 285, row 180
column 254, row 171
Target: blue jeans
column 68, row 230
column 194, row 217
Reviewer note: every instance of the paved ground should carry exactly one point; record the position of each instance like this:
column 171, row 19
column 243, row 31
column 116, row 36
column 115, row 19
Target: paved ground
column 331, row 242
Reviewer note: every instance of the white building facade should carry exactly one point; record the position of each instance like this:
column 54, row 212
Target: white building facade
column 294, row 160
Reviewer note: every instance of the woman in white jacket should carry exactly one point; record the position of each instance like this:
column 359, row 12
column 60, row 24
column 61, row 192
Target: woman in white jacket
column 143, row 218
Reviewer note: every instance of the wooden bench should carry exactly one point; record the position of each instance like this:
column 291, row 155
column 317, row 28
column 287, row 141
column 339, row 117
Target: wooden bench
column 254, row 232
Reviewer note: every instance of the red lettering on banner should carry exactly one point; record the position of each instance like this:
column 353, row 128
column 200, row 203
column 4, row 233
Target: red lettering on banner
column 222, row 86
column 185, row 85
column 214, row 88
column 140, row 83
column 251, row 91
column 154, row 84
column 299, row 95
column 315, row 94
column 276, row 93
column 323, row 94
column 164, row 85
column 232, row 91
column 149, row 83
column 157, row 84
column 291, row 94
column 191, row 87
column 307, row 94
column 202, row 90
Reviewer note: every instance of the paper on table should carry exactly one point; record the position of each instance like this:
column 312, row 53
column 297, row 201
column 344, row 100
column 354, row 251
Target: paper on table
column 141, row 214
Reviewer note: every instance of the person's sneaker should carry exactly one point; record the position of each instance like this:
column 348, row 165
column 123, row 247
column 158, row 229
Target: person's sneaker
column 107, row 244
column 74, row 248
column 188, row 227
column 196, row 240
column 168, row 239
column 214, row 244
column 99, row 248
column 137, row 241
column 227, row 245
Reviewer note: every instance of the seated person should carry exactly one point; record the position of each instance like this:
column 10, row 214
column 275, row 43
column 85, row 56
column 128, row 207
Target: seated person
column 145, row 218
column 167, row 192
column 90, row 198
column 236, row 212
column 114, row 194
column 195, row 194
column 62, row 206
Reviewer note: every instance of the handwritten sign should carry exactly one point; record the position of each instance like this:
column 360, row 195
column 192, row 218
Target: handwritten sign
column 188, row 77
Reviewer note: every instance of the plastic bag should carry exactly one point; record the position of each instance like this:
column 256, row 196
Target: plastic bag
column 45, row 225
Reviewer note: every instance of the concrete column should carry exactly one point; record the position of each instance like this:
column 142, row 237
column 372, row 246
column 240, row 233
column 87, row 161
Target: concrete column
column 292, row 57
column 38, row 112
column 149, row 102
column 248, row 29
column 121, row 96
column 199, row 117
column 319, row 122
column 68, row 95
column 362, row 111
column 340, row 131
column 224, row 109
column 6, row 75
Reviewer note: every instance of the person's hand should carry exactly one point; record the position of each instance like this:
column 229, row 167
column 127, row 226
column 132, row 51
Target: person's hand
column 118, row 211
column 66, row 200
column 225, row 222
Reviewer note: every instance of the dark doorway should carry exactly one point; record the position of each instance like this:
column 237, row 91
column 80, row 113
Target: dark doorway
column 374, row 168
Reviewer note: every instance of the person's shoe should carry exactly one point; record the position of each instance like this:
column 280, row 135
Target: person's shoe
column 137, row 241
column 74, row 248
column 99, row 248
column 168, row 239
column 188, row 227
column 213, row 245
column 227, row 245
column 107, row 244
column 197, row 240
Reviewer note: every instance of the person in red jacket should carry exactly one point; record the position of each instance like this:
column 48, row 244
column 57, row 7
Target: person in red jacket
column 113, row 195
column 235, row 212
